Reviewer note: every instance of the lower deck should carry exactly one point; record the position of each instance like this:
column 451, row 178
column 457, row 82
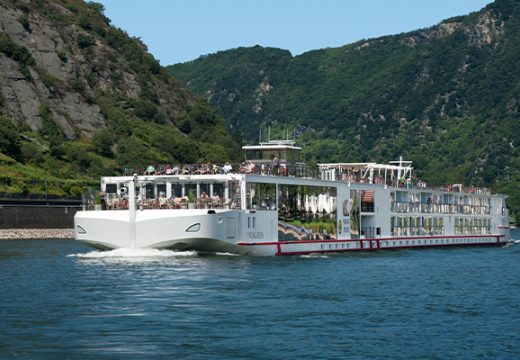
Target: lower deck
column 285, row 248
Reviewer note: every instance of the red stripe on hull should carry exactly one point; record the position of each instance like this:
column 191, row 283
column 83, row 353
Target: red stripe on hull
column 376, row 239
column 384, row 248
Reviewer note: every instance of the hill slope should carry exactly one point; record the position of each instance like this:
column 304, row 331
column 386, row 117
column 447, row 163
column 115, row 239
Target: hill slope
column 446, row 97
column 87, row 99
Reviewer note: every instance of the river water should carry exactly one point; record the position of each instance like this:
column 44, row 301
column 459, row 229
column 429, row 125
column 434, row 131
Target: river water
column 60, row 299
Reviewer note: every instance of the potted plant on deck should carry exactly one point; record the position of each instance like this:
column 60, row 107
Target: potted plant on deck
column 97, row 205
column 191, row 200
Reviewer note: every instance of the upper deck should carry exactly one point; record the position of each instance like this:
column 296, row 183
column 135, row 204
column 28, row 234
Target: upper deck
column 397, row 174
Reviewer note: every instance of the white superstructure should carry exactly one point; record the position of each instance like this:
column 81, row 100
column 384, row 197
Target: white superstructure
column 273, row 204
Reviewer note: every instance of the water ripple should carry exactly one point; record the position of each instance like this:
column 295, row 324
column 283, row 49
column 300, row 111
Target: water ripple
column 62, row 300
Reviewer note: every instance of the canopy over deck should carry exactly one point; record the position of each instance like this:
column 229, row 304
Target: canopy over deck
column 364, row 169
column 283, row 150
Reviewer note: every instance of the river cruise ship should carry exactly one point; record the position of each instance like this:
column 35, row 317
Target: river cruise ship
column 274, row 204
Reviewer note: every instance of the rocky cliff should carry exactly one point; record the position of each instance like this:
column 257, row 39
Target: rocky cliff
column 80, row 98
column 69, row 74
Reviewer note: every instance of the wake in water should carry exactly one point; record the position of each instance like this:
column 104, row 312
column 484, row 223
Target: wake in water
column 134, row 253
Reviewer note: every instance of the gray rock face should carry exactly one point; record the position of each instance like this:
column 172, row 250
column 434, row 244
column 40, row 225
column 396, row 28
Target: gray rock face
column 70, row 110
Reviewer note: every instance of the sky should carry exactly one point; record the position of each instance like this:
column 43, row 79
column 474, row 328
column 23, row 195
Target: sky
column 178, row 31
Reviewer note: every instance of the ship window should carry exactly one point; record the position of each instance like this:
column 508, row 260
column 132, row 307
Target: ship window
column 111, row 188
column 161, row 189
column 193, row 228
column 80, row 230
column 150, row 192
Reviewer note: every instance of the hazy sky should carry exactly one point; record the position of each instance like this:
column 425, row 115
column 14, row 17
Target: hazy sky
column 182, row 30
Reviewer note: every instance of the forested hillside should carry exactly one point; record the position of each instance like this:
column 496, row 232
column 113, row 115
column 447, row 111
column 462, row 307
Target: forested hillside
column 79, row 99
column 446, row 97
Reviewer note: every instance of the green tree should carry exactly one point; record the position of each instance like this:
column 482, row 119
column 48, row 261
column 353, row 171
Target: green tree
column 10, row 142
column 85, row 41
column 97, row 7
column 103, row 142
column 48, row 127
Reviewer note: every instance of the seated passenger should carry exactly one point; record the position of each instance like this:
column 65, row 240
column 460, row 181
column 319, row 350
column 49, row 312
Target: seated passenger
column 250, row 168
column 209, row 169
column 175, row 170
column 227, row 168
column 150, row 170
column 215, row 169
column 202, row 170
column 214, row 199
column 162, row 199
column 242, row 169
column 204, row 196
column 186, row 170
column 168, row 170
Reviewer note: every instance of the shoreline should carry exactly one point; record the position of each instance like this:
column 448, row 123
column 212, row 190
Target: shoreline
column 24, row 234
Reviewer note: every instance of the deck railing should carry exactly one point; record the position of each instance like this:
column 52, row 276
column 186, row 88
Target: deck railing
column 303, row 171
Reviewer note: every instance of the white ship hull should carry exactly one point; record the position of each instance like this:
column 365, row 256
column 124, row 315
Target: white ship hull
column 165, row 229
column 288, row 209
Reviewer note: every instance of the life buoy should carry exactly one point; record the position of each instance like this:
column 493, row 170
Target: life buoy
column 124, row 204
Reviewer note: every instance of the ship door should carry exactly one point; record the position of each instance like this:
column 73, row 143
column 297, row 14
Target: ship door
column 231, row 227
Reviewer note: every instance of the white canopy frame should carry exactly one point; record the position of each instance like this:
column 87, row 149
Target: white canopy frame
column 403, row 169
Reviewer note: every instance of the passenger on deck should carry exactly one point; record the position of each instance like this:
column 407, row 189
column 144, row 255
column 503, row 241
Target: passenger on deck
column 168, row 170
column 209, row 169
column 227, row 168
column 277, row 166
column 215, row 198
column 186, row 170
column 242, row 169
column 150, row 170
column 215, row 169
column 250, row 168
column 103, row 200
column 175, row 170
column 204, row 196
column 202, row 170
column 162, row 199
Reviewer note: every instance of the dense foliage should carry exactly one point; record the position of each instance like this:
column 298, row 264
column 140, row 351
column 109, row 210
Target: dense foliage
column 164, row 123
column 445, row 97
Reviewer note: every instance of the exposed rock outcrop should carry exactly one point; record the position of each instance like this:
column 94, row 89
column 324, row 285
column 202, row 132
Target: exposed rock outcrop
column 52, row 76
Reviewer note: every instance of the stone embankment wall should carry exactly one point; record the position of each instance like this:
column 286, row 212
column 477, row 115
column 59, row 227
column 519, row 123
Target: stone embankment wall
column 37, row 234
column 37, row 217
